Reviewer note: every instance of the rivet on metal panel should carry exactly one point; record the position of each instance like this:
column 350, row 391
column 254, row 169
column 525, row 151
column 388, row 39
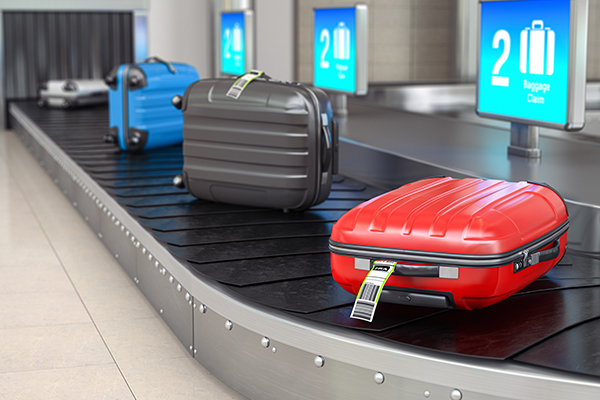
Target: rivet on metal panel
column 127, row 233
column 379, row 378
column 455, row 394
column 188, row 296
column 104, row 209
column 144, row 250
column 160, row 311
column 195, row 305
column 265, row 342
column 118, row 223
column 156, row 264
column 116, row 256
column 191, row 348
column 137, row 244
column 163, row 271
column 190, row 302
column 426, row 393
column 202, row 308
column 319, row 361
column 195, row 351
column 150, row 257
column 171, row 279
column 133, row 240
column 228, row 325
column 100, row 235
column 109, row 214
column 113, row 218
column 274, row 349
column 179, row 287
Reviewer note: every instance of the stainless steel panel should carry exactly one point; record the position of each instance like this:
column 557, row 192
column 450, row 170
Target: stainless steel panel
column 161, row 289
column 115, row 238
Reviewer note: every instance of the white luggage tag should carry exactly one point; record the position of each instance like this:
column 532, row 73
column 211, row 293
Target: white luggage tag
column 239, row 85
column 370, row 290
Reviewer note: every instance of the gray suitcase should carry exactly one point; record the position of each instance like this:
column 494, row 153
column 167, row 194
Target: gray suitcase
column 73, row 93
column 273, row 147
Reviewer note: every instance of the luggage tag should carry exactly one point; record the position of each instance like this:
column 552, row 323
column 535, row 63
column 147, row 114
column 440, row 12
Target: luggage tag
column 238, row 86
column 370, row 290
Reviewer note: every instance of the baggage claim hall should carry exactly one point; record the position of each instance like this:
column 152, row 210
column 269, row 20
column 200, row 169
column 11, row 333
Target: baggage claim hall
column 300, row 199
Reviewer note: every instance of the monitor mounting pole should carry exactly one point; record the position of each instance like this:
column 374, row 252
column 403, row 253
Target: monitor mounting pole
column 524, row 140
column 339, row 104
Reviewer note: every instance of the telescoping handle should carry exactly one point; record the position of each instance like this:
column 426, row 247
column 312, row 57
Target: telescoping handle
column 161, row 60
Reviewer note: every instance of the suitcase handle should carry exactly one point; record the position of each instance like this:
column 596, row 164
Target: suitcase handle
column 539, row 23
column 531, row 259
column 545, row 255
column 161, row 60
column 327, row 149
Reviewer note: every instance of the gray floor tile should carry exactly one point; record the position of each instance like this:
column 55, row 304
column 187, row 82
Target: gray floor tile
column 102, row 382
column 175, row 379
column 41, row 309
column 47, row 347
column 148, row 338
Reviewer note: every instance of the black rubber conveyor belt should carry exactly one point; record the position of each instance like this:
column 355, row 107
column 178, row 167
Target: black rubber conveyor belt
column 281, row 259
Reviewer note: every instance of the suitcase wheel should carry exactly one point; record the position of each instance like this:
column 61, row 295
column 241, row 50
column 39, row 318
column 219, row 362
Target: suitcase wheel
column 177, row 102
column 178, row 182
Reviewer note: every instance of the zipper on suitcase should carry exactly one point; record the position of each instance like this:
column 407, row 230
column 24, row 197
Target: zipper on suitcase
column 522, row 257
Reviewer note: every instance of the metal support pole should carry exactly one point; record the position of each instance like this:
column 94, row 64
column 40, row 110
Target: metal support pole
column 524, row 140
column 339, row 104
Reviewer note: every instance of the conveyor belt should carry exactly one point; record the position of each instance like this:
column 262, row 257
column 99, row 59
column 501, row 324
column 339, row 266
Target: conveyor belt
column 281, row 260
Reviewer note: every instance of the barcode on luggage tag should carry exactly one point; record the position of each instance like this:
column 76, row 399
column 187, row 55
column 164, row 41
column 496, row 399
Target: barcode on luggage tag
column 368, row 295
column 238, row 86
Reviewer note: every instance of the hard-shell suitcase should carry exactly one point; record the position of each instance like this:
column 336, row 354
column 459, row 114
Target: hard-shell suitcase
column 72, row 93
column 463, row 243
column 141, row 115
column 272, row 147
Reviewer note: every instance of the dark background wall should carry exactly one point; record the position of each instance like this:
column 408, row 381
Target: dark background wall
column 40, row 46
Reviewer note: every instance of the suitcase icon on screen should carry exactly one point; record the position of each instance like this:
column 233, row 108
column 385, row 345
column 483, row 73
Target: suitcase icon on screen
column 341, row 42
column 237, row 38
column 538, row 40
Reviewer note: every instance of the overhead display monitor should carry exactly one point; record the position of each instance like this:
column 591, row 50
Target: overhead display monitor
column 340, row 49
column 532, row 61
column 237, row 42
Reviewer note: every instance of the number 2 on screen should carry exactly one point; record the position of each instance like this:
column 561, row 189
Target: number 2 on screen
column 324, row 38
column 500, row 35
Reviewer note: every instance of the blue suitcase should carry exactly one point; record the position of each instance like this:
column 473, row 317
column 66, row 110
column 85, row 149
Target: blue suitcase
column 141, row 115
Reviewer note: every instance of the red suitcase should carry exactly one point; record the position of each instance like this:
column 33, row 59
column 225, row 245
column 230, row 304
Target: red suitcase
column 463, row 243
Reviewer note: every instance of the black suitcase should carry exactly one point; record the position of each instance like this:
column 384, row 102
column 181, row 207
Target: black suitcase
column 274, row 147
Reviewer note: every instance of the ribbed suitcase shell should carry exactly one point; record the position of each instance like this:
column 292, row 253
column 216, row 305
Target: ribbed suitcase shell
column 482, row 227
column 148, row 109
column 264, row 149
column 73, row 93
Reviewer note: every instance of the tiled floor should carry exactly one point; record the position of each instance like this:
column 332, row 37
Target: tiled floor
column 72, row 324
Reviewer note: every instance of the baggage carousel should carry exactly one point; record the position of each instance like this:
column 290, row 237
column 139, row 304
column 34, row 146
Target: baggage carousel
column 249, row 291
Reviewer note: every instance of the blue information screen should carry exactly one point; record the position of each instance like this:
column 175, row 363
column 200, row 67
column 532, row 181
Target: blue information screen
column 335, row 49
column 524, row 59
column 233, row 44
